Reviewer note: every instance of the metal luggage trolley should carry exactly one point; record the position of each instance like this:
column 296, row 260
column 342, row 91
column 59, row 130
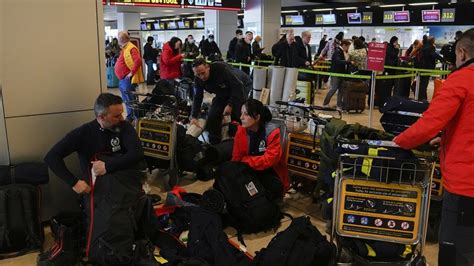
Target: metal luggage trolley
column 382, row 198
column 156, row 127
column 302, row 148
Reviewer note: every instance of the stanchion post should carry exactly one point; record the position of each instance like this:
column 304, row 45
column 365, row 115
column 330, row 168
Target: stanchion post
column 417, row 85
column 372, row 96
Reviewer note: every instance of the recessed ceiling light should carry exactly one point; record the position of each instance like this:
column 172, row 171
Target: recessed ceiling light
column 346, row 8
column 395, row 5
column 167, row 11
column 322, row 9
column 423, row 4
column 289, row 11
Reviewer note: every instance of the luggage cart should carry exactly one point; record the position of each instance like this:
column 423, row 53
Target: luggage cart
column 382, row 198
column 156, row 126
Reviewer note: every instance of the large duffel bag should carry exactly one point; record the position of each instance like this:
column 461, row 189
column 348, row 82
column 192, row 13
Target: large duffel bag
column 354, row 93
column 20, row 220
column 400, row 113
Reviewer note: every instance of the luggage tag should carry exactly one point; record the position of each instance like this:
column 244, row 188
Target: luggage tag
column 251, row 189
column 94, row 177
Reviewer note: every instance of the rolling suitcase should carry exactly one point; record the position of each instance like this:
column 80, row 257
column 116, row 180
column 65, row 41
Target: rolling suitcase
column 354, row 94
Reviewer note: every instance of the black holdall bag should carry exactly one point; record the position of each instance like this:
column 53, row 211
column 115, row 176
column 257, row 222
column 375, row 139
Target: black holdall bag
column 20, row 220
column 250, row 206
column 301, row 244
column 32, row 173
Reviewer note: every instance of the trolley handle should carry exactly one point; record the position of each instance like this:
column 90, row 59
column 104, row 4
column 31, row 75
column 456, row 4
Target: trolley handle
column 307, row 107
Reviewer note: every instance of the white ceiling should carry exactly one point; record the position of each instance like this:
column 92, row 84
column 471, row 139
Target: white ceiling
column 110, row 12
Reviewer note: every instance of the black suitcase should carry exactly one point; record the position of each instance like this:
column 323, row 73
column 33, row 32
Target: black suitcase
column 400, row 113
column 354, row 93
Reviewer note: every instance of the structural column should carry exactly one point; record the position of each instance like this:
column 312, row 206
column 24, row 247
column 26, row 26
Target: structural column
column 263, row 18
column 223, row 25
column 128, row 21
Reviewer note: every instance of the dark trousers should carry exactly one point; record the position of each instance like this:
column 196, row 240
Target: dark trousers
column 150, row 72
column 424, row 80
column 214, row 118
column 456, row 234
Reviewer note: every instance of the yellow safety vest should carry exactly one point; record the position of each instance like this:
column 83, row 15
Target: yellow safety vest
column 127, row 56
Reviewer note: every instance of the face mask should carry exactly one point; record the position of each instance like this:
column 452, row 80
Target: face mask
column 211, row 40
column 191, row 41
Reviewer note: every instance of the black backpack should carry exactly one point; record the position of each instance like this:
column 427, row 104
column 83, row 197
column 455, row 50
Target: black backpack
column 20, row 220
column 207, row 240
column 300, row 244
column 251, row 208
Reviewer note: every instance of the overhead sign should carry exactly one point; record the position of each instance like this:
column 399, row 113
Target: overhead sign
column 329, row 19
column 367, row 17
column 448, row 15
column 294, row 20
column 376, row 56
column 433, row 15
column 396, row 17
column 401, row 16
column 354, row 18
column 204, row 4
column 319, row 19
column 379, row 211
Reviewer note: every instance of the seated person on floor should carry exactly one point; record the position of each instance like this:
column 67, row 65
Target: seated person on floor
column 257, row 143
column 109, row 134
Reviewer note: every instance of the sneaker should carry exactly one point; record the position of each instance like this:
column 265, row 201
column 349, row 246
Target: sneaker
column 339, row 109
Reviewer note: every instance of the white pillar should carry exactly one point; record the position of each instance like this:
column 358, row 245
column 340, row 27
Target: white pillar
column 263, row 18
column 128, row 21
column 223, row 25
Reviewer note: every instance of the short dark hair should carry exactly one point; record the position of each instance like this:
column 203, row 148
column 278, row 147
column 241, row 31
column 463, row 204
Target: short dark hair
column 362, row 38
column 238, row 32
column 150, row 39
column 359, row 44
column 256, row 107
column 104, row 101
column 466, row 41
column 247, row 32
column 199, row 61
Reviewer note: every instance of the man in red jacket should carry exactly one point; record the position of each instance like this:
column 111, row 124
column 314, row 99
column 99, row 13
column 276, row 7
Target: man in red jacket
column 451, row 113
column 128, row 69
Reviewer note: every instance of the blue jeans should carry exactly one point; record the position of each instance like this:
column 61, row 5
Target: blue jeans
column 126, row 86
column 150, row 72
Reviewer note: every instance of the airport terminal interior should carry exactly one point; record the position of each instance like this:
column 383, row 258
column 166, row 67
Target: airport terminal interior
column 235, row 132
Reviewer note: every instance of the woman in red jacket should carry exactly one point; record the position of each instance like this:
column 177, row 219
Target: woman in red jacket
column 171, row 59
column 257, row 144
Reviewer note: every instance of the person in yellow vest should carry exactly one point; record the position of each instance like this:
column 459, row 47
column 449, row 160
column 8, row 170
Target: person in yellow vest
column 128, row 69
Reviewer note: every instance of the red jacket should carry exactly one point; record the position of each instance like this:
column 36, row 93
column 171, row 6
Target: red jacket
column 121, row 69
column 170, row 63
column 272, row 157
column 452, row 110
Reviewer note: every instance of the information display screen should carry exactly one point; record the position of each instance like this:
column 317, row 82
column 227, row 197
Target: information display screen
column 205, row 4
column 294, row 20
column 448, row 15
column 431, row 15
column 143, row 26
column 329, row 19
column 156, row 26
column 401, row 16
column 172, row 25
column 354, row 18
column 181, row 24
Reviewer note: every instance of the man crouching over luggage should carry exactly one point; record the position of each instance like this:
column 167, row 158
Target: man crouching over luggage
column 109, row 148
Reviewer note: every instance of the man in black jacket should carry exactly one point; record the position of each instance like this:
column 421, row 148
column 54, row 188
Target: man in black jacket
column 210, row 48
column 286, row 51
column 232, row 45
column 220, row 79
column 243, row 51
column 107, row 133
column 338, row 65
column 149, row 55
column 322, row 44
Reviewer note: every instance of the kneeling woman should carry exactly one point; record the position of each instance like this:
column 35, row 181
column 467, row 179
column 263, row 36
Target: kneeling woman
column 257, row 144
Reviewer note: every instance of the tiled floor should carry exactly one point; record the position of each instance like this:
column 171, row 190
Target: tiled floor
column 297, row 205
